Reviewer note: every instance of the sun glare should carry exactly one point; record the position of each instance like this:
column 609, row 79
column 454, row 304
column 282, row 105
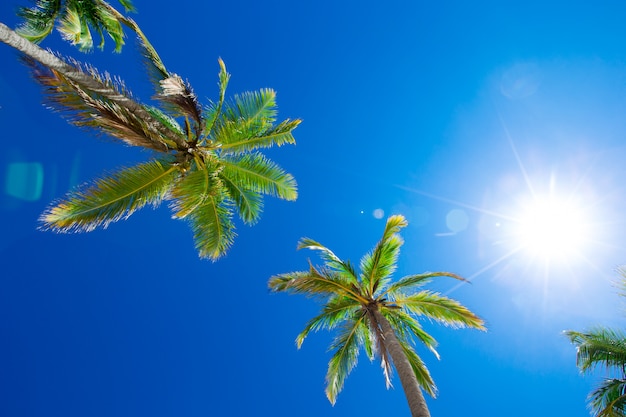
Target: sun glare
column 552, row 228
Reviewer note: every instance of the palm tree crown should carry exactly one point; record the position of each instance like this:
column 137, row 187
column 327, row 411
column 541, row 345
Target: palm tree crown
column 606, row 348
column 209, row 163
column 373, row 312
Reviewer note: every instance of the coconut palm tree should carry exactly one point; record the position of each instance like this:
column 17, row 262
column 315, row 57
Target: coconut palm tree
column 208, row 165
column 374, row 313
column 606, row 348
column 75, row 20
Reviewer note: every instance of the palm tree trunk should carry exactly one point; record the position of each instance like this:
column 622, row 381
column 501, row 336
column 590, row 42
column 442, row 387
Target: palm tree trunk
column 412, row 390
column 54, row 63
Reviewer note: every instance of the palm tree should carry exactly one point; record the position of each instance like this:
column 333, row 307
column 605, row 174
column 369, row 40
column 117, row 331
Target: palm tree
column 604, row 347
column 374, row 313
column 76, row 19
column 209, row 163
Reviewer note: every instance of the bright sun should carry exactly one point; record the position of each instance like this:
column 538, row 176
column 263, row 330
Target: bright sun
column 552, row 228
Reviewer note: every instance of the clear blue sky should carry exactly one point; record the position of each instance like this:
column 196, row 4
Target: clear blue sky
column 455, row 114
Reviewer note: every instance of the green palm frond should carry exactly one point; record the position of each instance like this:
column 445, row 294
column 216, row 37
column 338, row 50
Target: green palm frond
column 212, row 112
column 76, row 17
column 249, row 203
column 75, row 29
column 600, row 346
column 333, row 314
column 344, row 359
column 257, row 173
column 278, row 135
column 332, row 261
column 407, row 328
column 38, row 20
column 440, row 308
column 411, row 282
column 111, row 198
column 380, row 263
column 191, row 191
column 247, row 123
column 252, row 111
column 212, row 225
column 609, row 399
column 315, row 283
column 420, row 370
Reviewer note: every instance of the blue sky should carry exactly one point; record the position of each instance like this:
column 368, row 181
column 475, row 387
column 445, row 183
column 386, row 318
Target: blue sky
column 456, row 115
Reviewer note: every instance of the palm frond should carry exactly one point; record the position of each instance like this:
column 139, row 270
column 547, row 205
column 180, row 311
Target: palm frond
column 181, row 100
column 393, row 226
column 411, row 282
column 213, row 112
column 249, row 203
column 420, row 370
column 212, row 225
column 609, row 398
column 75, row 29
column 165, row 120
column 111, row 198
column 407, row 328
column 252, row 111
column 87, row 108
column 314, row 283
column 257, row 173
column 38, row 20
column 335, row 312
column 332, row 261
column 599, row 346
column 440, row 308
column 380, row 263
column 344, row 359
column 278, row 135
column 76, row 17
column 246, row 123
column 191, row 191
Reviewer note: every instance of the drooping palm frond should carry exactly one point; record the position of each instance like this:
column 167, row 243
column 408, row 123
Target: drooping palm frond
column 599, row 346
column 333, row 314
column 315, row 283
column 192, row 190
column 609, row 398
column 111, row 198
column 255, row 172
column 440, row 308
column 345, row 357
column 249, row 203
column 408, row 328
column 76, row 18
column 212, row 225
column 87, row 108
column 424, row 379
